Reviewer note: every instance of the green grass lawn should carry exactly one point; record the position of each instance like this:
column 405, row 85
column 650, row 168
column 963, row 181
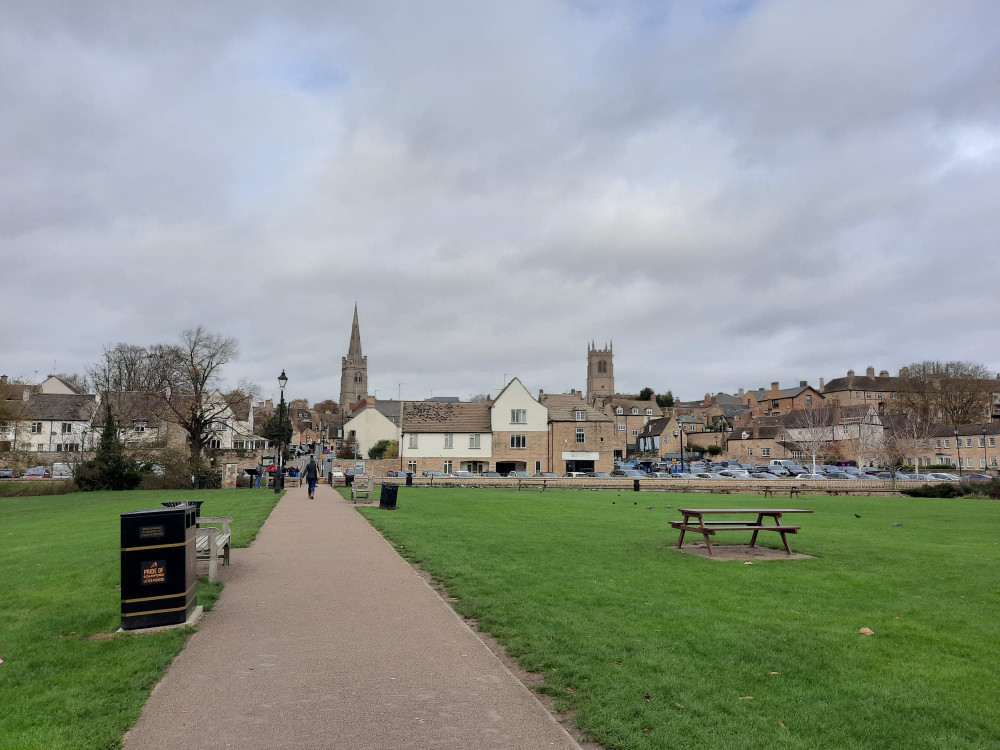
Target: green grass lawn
column 66, row 681
column 593, row 595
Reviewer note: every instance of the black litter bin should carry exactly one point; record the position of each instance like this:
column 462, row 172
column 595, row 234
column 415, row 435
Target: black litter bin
column 348, row 480
column 409, row 479
column 387, row 498
column 158, row 566
column 176, row 503
column 635, row 485
column 202, row 481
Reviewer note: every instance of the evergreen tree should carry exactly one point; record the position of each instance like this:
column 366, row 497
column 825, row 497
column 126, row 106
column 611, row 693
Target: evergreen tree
column 110, row 468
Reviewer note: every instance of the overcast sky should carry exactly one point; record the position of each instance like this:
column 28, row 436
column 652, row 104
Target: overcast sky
column 734, row 192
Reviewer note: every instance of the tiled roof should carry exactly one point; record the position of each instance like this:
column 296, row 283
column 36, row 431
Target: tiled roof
column 655, row 427
column 445, row 416
column 563, row 407
column 864, row 383
column 60, row 406
column 134, row 405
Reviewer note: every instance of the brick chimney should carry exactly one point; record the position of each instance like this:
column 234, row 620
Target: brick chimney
column 3, row 380
column 774, row 386
column 904, row 372
column 883, row 373
column 822, row 384
column 803, row 383
column 741, row 393
column 870, row 372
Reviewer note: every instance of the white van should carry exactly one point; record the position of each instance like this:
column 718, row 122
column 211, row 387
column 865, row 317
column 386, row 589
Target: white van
column 62, row 471
column 786, row 462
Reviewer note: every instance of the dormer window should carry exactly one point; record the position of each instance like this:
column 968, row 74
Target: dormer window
column 649, row 412
column 138, row 426
column 580, row 415
column 619, row 410
column 635, row 409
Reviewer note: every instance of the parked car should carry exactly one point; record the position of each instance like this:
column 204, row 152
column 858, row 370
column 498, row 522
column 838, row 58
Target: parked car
column 735, row 474
column 763, row 475
column 659, row 475
column 490, row 474
column 38, row 472
column 817, row 475
column 979, row 477
column 546, row 475
column 779, row 471
column 598, row 475
column 574, row 474
column 432, row 473
column 7, row 474
column 708, row 475
column 681, row 475
column 838, row 475
column 518, row 474
column 944, row 476
column 632, row 473
column 463, row 475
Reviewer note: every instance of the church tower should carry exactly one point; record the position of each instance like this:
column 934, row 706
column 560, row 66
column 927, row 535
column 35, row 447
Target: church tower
column 600, row 372
column 353, row 370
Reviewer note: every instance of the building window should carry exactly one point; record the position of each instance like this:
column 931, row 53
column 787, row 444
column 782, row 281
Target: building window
column 40, row 446
column 968, row 442
column 982, row 442
column 765, row 451
column 413, row 440
column 619, row 410
column 993, row 462
column 968, row 462
column 649, row 412
column 602, row 367
column 214, row 444
column 449, row 440
column 868, row 394
column 446, row 467
column 749, row 451
column 581, row 435
column 139, row 426
column 879, row 394
column 937, row 443
column 635, row 410
column 66, row 428
column 538, row 467
column 474, row 440
column 809, row 399
column 518, row 441
column 239, row 445
column 982, row 462
column 621, row 427
column 947, row 443
column 411, row 466
column 580, row 415
column 993, row 442
column 774, row 403
column 857, row 394
column 36, row 428
column 518, row 416
column 635, row 433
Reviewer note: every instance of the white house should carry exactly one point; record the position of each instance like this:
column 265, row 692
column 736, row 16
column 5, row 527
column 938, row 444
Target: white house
column 373, row 422
column 520, row 426
column 445, row 436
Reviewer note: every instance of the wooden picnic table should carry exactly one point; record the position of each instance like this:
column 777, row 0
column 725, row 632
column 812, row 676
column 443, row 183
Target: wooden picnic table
column 694, row 520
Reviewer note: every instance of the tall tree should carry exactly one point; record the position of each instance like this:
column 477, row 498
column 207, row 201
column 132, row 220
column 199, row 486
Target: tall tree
column 185, row 378
column 812, row 428
column 665, row 399
column 951, row 392
column 110, row 468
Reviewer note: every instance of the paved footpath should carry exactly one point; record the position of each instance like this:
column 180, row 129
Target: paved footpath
column 325, row 638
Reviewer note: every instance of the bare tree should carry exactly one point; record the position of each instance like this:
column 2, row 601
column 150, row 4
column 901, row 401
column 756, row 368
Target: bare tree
column 904, row 436
column 184, row 380
column 812, row 428
column 951, row 392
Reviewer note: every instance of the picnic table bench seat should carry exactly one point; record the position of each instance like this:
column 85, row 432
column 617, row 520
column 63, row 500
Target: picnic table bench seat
column 694, row 521
column 212, row 543
column 363, row 486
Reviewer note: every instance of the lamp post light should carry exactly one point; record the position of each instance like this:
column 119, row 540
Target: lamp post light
column 958, row 444
column 279, row 476
column 681, row 437
column 985, row 462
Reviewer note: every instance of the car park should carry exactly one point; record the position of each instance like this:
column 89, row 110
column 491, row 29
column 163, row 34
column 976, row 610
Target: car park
column 7, row 474
column 38, row 472
column 463, row 475
column 810, row 476
column 518, row 474
column 574, row 475
column 763, row 475
column 490, row 474
column 735, row 474
column 708, row 475
column 598, row 475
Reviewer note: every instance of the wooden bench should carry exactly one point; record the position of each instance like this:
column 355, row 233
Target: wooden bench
column 538, row 484
column 694, row 520
column 212, row 543
column 362, row 486
column 792, row 491
column 293, row 481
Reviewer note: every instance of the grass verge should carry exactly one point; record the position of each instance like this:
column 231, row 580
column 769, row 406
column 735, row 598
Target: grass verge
column 67, row 680
column 655, row 648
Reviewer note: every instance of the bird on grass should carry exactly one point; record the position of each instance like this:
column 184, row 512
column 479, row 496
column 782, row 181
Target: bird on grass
column 856, row 515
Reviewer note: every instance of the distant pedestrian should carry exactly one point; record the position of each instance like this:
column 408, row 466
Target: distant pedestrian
column 312, row 474
column 258, row 475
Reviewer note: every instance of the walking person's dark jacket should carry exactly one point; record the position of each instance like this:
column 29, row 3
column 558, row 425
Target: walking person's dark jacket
column 311, row 471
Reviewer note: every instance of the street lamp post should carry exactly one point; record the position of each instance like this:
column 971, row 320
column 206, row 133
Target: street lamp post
column 985, row 462
column 279, row 476
column 681, row 436
column 958, row 444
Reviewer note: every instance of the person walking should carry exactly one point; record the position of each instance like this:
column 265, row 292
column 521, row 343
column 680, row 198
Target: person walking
column 312, row 474
column 258, row 475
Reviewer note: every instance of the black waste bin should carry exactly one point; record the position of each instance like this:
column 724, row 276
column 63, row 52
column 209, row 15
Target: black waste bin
column 409, row 479
column 176, row 503
column 635, row 485
column 158, row 566
column 329, row 478
column 387, row 498
column 348, row 479
column 202, row 481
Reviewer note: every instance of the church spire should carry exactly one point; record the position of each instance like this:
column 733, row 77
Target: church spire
column 354, row 350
